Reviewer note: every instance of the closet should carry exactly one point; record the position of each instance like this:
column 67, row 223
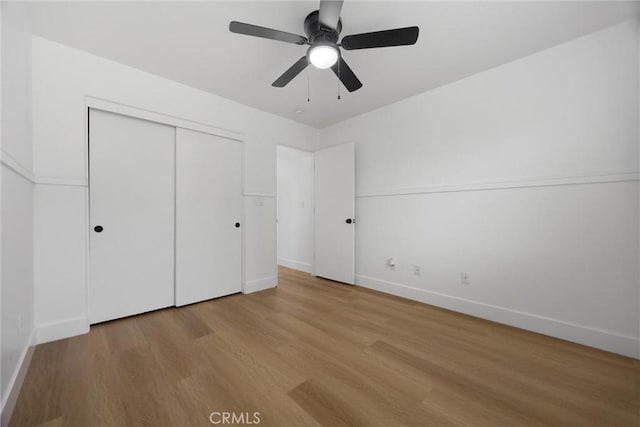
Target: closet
column 165, row 207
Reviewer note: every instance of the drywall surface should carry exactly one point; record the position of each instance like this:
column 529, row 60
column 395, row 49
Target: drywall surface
column 16, row 188
column 17, row 275
column 295, row 208
column 62, row 78
column 524, row 176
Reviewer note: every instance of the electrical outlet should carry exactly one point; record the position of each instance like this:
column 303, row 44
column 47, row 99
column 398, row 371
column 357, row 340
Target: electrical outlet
column 21, row 322
column 391, row 263
column 416, row 270
column 465, row 278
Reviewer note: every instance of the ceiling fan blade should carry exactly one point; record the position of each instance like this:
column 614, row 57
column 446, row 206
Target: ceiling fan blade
column 330, row 12
column 265, row 33
column 385, row 38
column 346, row 75
column 293, row 71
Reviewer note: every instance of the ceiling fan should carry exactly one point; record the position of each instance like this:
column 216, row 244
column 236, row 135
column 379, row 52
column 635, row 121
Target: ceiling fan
column 322, row 28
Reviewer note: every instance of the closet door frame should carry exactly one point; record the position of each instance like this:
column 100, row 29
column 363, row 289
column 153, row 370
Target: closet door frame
column 95, row 103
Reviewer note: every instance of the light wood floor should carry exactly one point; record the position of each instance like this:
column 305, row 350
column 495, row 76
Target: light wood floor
column 313, row 352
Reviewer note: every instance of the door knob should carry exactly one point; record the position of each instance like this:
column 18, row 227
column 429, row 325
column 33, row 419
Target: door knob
column 237, row 225
column 98, row 229
column 349, row 221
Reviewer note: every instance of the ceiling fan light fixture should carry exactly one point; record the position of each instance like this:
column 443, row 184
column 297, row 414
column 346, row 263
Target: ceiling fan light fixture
column 323, row 55
column 323, row 28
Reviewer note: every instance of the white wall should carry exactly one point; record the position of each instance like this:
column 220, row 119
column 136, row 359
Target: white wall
column 16, row 188
column 62, row 77
column 525, row 176
column 295, row 209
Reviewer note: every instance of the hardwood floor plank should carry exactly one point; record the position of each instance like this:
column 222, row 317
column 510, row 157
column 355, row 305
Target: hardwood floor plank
column 390, row 403
column 254, row 385
column 123, row 334
column 314, row 352
column 328, row 407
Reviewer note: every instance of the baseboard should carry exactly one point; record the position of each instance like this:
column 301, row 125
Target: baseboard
column 64, row 329
column 15, row 384
column 601, row 339
column 259, row 285
column 296, row 265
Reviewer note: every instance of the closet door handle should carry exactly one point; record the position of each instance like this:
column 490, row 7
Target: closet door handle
column 237, row 225
column 98, row 229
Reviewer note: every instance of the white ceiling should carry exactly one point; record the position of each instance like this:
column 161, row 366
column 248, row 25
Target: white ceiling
column 190, row 43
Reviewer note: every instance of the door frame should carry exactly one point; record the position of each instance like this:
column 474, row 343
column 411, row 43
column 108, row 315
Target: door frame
column 313, row 203
column 91, row 102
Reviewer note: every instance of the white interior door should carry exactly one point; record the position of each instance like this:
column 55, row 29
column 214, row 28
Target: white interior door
column 131, row 208
column 208, row 216
column 334, row 254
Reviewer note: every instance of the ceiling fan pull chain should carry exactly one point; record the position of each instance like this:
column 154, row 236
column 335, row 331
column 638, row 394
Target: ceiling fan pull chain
column 338, row 80
column 308, row 90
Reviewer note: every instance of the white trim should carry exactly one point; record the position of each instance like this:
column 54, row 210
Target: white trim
column 295, row 147
column 257, row 194
column 64, row 329
column 15, row 384
column 274, row 212
column 296, row 265
column 578, row 180
column 154, row 116
column 638, row 118
column 70, row 182
column 598, row 338
column 259, row 284
column 7, row 160
column 175, row 217
column 243, row 217
column 86, row 117
column 313, row 218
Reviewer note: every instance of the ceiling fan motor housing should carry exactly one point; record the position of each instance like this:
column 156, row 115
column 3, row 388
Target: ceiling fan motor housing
column 316, row 32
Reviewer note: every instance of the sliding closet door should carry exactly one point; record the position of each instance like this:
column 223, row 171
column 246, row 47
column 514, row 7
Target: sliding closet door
column 131, row 190
column 208, row 216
